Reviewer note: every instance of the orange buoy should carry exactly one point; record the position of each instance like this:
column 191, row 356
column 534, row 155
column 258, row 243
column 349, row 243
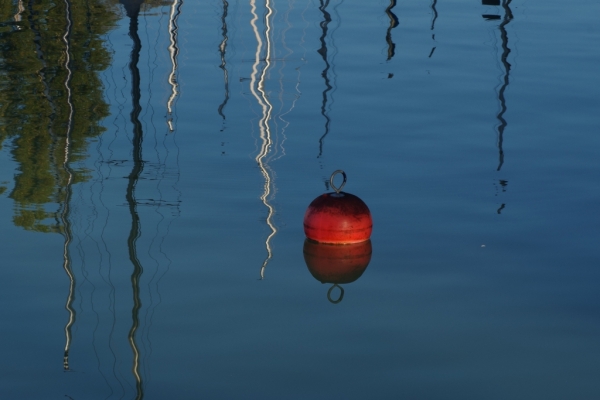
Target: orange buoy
column 338, row 217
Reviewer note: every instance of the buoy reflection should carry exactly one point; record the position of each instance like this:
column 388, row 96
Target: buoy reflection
column 337, row 264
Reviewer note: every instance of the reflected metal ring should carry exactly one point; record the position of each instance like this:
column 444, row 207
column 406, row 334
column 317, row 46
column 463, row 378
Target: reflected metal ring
column 341, row 294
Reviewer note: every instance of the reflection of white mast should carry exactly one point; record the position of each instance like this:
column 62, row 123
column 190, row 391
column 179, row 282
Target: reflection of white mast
column 173, row 52
column 65, row 211
column 20, row 9
column 258, row 91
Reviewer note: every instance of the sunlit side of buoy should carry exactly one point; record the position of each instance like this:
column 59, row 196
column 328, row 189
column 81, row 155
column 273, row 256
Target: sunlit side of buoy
column 338, row 217
column 330, row 263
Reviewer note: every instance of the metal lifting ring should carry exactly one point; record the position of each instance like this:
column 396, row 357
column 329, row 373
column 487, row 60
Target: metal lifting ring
column 341, row 294
column 339, row 171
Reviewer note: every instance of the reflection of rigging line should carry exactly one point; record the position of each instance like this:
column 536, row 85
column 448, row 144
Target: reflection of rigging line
column 505, row 80
column 329, row 87
column 117, row 100
column 82, row 257
column 173, row 52
column 161, row 172
column 133, row 177
column 282, row 91
column 303, row 38
column 325, row 74
column 393, row 23
column 435, row 15
column 104, row 247
column 267, row 108
column 112, row 292
column 296, row 97
column 222, row 51
column 335, row 50
column 65, row 211
column 168, row 225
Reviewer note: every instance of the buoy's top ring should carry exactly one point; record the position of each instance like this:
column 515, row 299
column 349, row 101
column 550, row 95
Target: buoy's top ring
column 339, row 171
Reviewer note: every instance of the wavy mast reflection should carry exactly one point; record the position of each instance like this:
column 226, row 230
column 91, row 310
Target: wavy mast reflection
column 133, row 8
column 173, row 52
column 503, row 85
column 222, row 52
column 325, row 74
column 330, row 84
column 64, row 215
column 257, row 88
column 20, row 9
column 393, row 23
column 433, row 19
column 508, row 16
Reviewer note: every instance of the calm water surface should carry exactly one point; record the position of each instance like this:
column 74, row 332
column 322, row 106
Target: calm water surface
column 157, row 160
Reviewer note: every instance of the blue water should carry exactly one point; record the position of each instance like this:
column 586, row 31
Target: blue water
column 474, row 141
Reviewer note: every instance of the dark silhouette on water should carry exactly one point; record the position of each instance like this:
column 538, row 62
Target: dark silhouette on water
column 504, row 82
column 325, row 74
column 508, row 16
column 393, row 23
column 491, row 3
column 433, row 19
column 222, row 52
column 503, row 183
column 132, row 8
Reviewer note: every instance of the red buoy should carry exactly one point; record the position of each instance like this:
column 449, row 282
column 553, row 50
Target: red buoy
column 338, row 217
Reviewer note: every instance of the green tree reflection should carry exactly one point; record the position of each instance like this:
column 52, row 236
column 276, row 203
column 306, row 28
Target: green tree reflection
column 34, row 111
